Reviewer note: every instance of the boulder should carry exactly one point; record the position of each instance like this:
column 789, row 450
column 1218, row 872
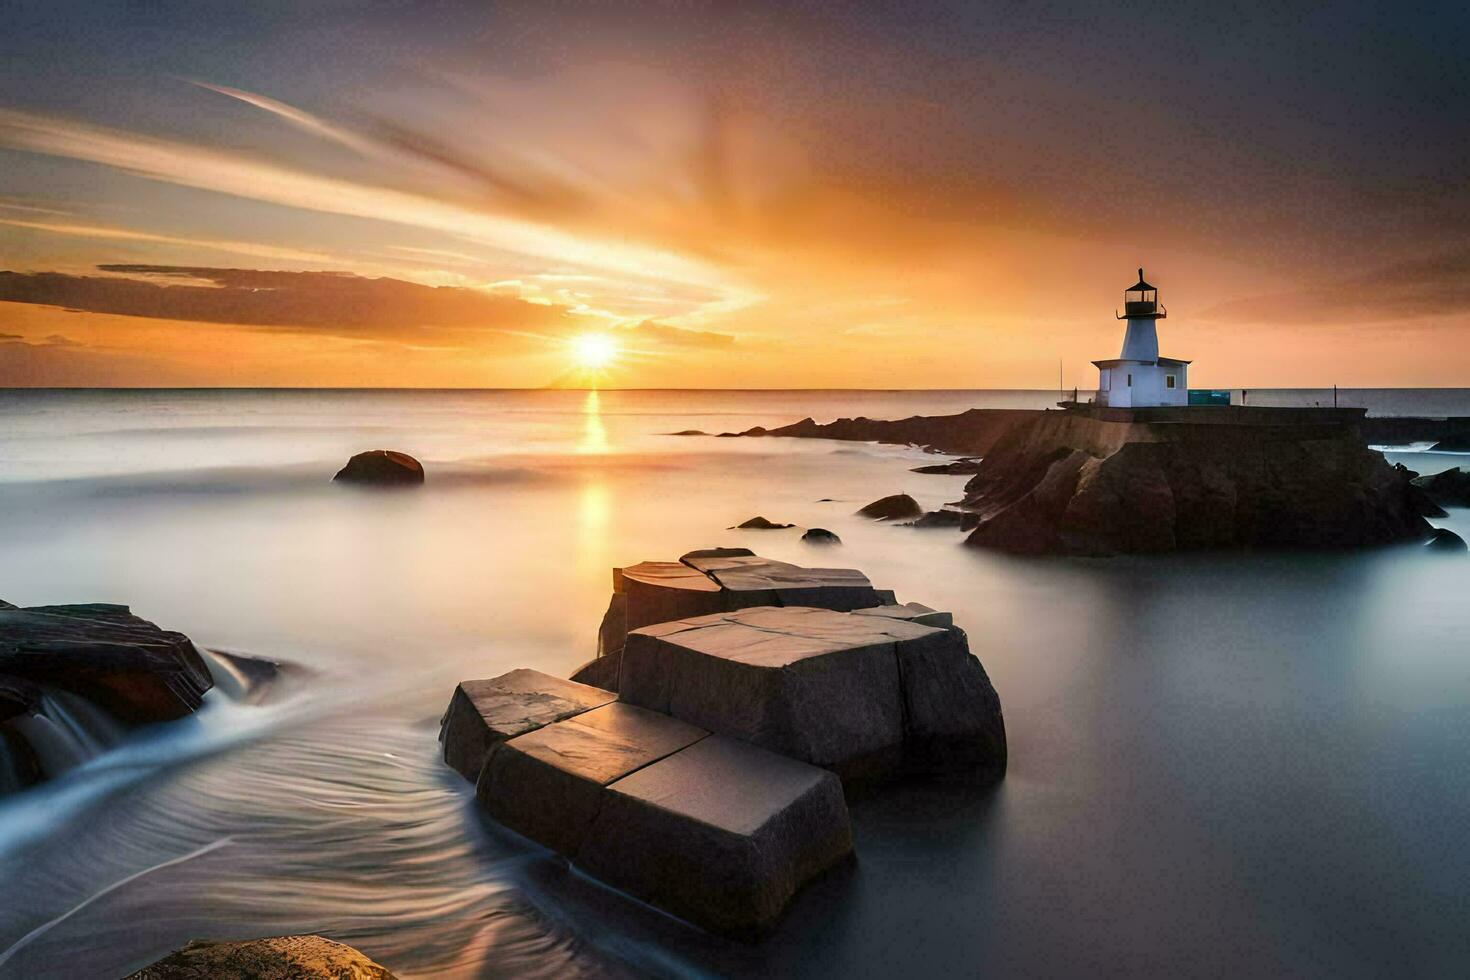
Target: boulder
column 760, row 524
column 278, row 958
column 134, row 671
column 945, row 517
column 382, row 467
column 1443, row 539
column 1450, row 488
column 960, row 467
column 716, row 580
column 548, row 785
column 894, row 507
column 721, row 834
column 864, row 694
column 484, row 713
column 820, row 535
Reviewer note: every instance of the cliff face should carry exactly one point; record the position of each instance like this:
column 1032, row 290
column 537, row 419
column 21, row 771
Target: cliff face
column 1069, row 483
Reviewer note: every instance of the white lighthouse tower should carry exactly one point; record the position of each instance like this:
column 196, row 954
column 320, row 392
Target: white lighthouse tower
column 1139, row 377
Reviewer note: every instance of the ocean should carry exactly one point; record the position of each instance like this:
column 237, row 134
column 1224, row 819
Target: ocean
column 1219, row 764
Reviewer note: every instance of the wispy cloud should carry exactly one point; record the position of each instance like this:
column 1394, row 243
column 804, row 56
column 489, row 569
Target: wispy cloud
column 129, row 235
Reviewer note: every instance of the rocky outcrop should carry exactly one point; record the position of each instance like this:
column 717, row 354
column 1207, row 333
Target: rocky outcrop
column 1450, row 488
column 821, row 536
column 382, row 468
column 1073, row 483
column 58, row 663
column 278, row 958
column 894, row 507
column 968, row 433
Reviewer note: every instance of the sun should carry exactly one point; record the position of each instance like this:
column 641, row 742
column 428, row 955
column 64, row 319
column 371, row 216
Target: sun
column 594, row 351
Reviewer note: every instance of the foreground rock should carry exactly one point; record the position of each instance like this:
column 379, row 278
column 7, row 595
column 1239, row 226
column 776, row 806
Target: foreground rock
column 382, row 467
column 1081, row 482
column 483, row 713
column 866, row 694
column 74, row 678
column 721, row 834
column 279, row 958
column 711, row 581
column 895, row 507
column 1448, row 489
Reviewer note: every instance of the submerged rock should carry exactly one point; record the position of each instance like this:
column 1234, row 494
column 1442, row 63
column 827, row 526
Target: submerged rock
column 382, row 467
column 895, row 507
column 1443, row 539
column 820, row 535
column 1450, row 488
column 761, row 524
column 278, row 958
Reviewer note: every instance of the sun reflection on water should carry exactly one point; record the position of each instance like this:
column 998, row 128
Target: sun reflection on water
column 594, row 434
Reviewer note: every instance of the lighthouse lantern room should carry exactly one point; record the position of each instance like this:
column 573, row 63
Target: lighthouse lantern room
column 1139, row 377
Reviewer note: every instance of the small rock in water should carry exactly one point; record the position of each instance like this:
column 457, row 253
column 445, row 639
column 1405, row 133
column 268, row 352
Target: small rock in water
column 1451, row 488
column 1444, row 539
column 382, row 467
column 689, row 432
column 966, row 467
column 898, row 506
column 761, row 524
column 820, row 535
column 278, row 958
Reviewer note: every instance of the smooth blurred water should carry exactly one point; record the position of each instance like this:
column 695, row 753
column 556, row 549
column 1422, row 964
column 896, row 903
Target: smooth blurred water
column 1219, row 764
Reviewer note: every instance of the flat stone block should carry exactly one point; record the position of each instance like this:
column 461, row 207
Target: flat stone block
column 817, row 685
column 484, row 712
column 913, row 612
column 548, row 784
column 721, row 834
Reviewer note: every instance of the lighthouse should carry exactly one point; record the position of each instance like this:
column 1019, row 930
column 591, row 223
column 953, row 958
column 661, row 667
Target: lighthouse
column 1139, row 377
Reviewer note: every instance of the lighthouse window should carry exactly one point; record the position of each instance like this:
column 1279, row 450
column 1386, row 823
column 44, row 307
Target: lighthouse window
column 1168, row 381
column 1130, row 381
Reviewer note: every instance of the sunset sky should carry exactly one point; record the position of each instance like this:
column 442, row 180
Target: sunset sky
column 796, row 195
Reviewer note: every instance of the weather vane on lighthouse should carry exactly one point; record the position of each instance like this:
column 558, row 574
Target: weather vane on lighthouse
column 1139, row 377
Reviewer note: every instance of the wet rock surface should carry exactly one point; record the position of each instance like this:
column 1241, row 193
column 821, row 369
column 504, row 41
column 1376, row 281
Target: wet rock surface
column 277, row 958
column 483, row 713
column 382, row 467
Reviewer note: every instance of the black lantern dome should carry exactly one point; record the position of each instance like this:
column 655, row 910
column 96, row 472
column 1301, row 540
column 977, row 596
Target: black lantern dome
column 1141, row 301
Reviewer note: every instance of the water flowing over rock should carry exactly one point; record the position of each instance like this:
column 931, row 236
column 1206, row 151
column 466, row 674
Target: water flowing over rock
column 382, row 467
column 1080, row 482
column 73, row 678
column 278, row 958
